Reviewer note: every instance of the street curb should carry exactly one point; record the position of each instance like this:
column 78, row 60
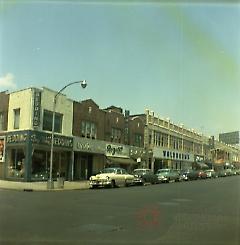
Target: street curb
column 42, row 190
column 30, row 187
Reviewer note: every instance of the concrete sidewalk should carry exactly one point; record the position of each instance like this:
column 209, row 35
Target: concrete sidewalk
column 42, row 186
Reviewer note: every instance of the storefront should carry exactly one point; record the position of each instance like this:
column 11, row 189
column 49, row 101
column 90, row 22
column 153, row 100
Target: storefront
column 28, row 155
column 91, row 156
column 119, row 156
column 166, row 158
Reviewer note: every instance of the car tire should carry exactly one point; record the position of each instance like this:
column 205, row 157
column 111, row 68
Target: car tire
column 113, row 184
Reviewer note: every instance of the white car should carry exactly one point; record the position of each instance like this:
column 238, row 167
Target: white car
column 111, row 177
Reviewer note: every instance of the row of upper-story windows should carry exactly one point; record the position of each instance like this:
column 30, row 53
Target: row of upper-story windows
column 88, row 129
column 47, row 120
column 161, row 139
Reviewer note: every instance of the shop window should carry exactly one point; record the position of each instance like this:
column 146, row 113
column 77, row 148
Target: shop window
column 2, row 148
column 40, row 165
column 47, row 121
column 16, row 118
column 16, row 167
column 40, row 169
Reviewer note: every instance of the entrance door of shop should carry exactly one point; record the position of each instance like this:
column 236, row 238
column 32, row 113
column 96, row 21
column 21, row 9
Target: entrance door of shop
column 85, row 167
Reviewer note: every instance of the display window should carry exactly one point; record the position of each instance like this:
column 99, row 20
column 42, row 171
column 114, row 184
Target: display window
column 41, row 164
column 16, row 165
column 2, row 148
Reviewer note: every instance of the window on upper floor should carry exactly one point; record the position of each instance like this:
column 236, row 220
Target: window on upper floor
column 88, row 129
column 16, row 118
column 116, row 135
column 150, row 137
column 47, row 121
column 138, row 140
column 1, row 121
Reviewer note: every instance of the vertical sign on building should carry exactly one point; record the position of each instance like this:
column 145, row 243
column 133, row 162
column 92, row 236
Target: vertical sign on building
column 36, row 108
column 126, row 128
column 2, row 148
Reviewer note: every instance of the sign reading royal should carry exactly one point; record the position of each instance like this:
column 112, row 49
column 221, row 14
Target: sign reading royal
column 117, row 150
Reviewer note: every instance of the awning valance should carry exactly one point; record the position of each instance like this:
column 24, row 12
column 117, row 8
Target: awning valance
column 121, row 160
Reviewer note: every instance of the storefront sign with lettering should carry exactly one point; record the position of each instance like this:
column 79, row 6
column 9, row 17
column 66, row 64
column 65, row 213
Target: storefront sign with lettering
column 46, row 139
column 88, row 145
column 171, row 154
column 18, row 137
column 36, row 108
column 117, row 150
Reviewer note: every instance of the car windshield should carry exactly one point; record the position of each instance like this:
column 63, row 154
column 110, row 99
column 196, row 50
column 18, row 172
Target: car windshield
column 140, row 171
column 108, row 170
column 162, row 171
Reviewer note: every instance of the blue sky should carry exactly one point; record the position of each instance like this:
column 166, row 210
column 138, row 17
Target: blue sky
column 180, row 60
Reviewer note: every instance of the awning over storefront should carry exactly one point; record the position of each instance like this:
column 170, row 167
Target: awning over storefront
column 121, row 160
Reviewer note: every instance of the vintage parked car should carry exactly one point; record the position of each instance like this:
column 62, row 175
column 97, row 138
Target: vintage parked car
column 166, row 175
column 189, row 174
column 211, row 173
column 201, row 174
column 237, row 171
column 230, row 172
column 144, row 175
column 111, row 177
column 222, row 173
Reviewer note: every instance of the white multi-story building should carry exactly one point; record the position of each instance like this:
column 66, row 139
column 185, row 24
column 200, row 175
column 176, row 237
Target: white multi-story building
column 28, row 138
column 174, row 146
column 32, row 108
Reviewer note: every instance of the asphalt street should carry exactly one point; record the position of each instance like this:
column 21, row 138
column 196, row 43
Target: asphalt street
column 197, row 212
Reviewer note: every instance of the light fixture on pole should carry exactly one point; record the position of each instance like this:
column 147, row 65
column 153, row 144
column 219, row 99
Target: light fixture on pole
column 50, row 183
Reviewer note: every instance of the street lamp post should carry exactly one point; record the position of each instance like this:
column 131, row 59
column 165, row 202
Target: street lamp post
column 50, row 184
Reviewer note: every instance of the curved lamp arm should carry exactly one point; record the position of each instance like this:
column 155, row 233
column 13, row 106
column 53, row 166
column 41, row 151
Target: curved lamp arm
column 83, row 84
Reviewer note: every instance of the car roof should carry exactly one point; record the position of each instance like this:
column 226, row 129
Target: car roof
column 141, row 169
column 114, row 168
